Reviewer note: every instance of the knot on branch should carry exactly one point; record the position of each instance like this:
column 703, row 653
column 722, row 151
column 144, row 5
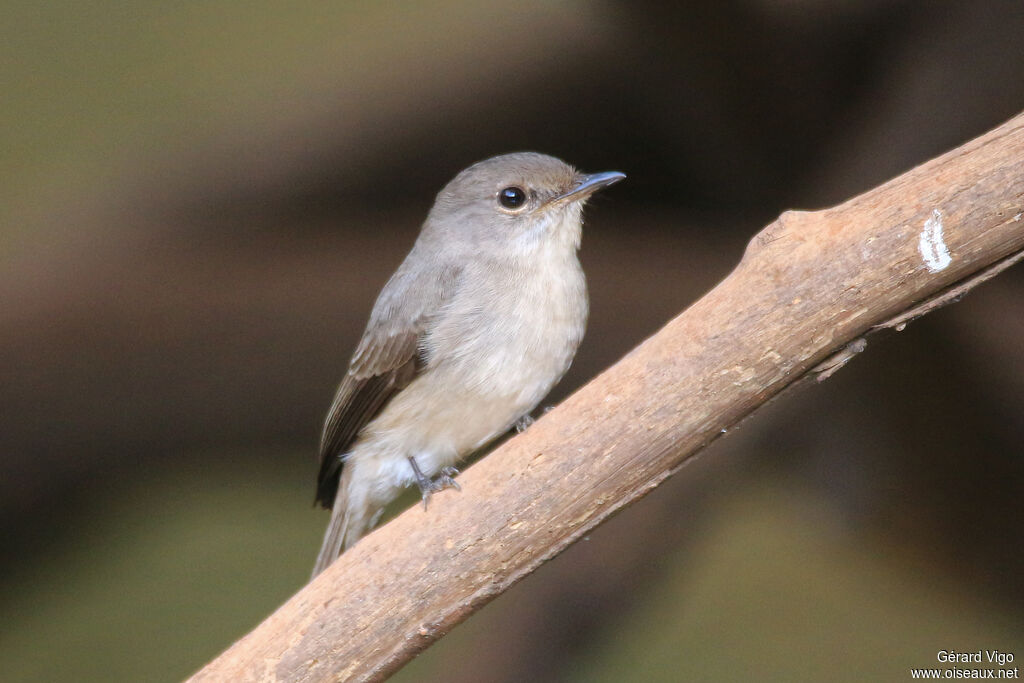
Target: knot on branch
column 775, row 233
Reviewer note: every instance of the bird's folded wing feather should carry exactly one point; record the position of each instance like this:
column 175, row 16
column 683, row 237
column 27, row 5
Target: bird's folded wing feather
column 387, row 359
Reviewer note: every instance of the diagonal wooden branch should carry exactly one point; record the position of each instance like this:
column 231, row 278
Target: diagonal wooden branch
column 809, row 285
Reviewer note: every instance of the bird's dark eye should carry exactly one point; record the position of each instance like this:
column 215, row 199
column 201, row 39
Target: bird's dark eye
column 512, row 197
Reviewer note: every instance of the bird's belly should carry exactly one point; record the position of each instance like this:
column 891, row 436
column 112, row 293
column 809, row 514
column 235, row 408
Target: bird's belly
column 457, row 408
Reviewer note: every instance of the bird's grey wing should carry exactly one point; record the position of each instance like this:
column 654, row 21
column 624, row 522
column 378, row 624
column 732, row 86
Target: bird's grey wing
column 387, row 359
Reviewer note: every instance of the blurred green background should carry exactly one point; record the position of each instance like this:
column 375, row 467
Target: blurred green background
column 199, row 202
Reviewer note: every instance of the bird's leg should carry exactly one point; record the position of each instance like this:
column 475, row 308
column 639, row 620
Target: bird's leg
column 523, row 423
column 428, row 486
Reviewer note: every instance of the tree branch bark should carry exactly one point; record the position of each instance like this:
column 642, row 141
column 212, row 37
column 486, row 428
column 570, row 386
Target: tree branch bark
column 808, row 288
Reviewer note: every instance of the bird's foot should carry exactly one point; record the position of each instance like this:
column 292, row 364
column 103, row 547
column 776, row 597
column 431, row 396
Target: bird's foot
column 428, row 486
column 523, row 423
column 446, row 480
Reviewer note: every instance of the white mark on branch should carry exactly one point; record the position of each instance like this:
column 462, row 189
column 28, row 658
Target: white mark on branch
column 1017, row 217
column 932, row 245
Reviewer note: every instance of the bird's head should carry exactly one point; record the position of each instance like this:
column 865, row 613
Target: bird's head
column 524, row 198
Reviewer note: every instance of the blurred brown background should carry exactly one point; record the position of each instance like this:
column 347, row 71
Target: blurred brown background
column 199, row 202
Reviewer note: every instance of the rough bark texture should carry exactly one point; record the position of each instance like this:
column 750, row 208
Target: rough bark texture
column 809, row 286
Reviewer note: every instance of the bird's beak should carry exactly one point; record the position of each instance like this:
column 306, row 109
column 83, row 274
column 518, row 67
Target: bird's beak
column 589, row 184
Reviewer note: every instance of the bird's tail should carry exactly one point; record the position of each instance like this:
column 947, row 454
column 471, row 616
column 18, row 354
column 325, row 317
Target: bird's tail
column 350, row 519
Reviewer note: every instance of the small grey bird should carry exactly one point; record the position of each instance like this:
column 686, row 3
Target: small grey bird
column 482, row 318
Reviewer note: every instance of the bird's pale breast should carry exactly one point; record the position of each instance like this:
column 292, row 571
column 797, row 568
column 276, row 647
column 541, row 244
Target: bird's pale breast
column 488, row 367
